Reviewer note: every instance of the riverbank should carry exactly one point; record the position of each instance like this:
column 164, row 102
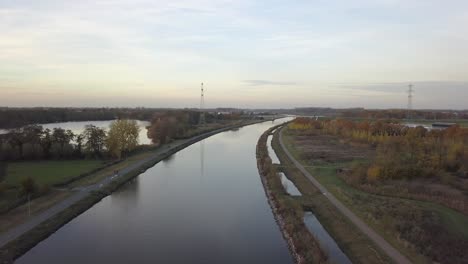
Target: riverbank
column 288, row 213
column 88, row 196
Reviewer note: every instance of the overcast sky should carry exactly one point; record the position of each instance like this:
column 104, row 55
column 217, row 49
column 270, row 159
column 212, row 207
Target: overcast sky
column 262, row 53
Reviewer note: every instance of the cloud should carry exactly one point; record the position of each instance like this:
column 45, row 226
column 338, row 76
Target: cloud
column 267, row 82
column 334, row 52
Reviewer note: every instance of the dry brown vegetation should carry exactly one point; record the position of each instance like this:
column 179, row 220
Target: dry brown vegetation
column 288, row 213
column 357, row 246
column 344, row 157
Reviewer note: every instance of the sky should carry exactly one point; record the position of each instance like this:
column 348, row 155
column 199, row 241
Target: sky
column 249, row 54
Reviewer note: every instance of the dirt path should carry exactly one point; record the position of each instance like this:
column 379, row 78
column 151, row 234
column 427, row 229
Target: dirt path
column 376, row 238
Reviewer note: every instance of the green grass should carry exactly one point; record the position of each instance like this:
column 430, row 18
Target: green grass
column 48, row 172
column 455, row 222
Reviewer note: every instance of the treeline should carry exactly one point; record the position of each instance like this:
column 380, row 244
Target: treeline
column 402, row 152
column 33, row 142
column 402, row 114
column 169, row 125
column 18, row 117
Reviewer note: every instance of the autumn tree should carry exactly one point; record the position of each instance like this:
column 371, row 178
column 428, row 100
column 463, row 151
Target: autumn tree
column 402, row 152
column 122, row 137
column 171, row 124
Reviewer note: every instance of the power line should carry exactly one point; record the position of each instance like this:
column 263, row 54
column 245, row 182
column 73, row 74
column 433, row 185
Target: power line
column 202, row 106
column 410, row 101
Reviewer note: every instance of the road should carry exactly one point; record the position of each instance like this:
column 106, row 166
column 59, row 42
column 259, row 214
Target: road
column 376, row 238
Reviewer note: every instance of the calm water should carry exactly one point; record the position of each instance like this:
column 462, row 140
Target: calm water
column 288, row 185
column 78, row 128
column 327, row 243
column 205, row 204
column 271, row 151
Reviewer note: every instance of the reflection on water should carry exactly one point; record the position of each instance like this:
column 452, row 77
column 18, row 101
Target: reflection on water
column 207, row 205
column 169, row 159
column 271, row 151
column 288, row 185
column 202, row 160
column 327, row 243
column 127, row 197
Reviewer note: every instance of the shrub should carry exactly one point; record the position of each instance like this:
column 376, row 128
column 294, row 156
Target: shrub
column 28, row 186
column 44, row 189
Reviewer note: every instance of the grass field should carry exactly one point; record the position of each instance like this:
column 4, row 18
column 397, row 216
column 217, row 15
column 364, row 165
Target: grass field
column 100, row 175
column 388, row 214
column 48, row 172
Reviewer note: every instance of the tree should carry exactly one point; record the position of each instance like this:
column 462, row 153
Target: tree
column 28, row 187
column 159, row 131
column 122, row 137
column 95, row 139
column 46, row 142
column 172, row 124
column 62, row 138
column 29, row 134
column 79, row 145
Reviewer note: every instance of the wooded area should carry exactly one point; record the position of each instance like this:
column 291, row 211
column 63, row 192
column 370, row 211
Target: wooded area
column 18, row 117
column 35, row 143
column 169, row 125
column 402, row 152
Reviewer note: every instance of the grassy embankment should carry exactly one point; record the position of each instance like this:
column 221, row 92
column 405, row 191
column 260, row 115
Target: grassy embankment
column 48, row 172
column 288, row 213
column 45, row 174
column 352, row 242
column 22, row 244
column 423, row 231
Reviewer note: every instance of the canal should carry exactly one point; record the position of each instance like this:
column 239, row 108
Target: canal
column 205, row 204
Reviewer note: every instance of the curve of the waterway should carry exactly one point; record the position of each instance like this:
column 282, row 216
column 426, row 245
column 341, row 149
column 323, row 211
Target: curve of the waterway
column 205, row 204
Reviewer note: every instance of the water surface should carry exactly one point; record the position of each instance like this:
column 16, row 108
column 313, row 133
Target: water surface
column 205, row 204
column 271, row 151
column 327, row 243
column 288, row 185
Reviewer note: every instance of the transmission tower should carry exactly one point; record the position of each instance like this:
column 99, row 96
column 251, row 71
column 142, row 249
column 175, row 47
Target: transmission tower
column 410, row 101
column 202, row 106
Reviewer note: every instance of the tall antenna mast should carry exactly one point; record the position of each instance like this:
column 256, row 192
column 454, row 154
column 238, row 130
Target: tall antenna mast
column 410, row 101
column 202, row 106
